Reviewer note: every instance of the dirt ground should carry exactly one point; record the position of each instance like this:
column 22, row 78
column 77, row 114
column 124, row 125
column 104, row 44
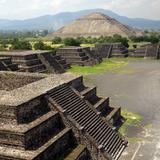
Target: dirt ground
column 136, row 87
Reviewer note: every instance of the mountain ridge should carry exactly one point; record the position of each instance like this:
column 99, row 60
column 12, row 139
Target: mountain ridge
column 54, row 22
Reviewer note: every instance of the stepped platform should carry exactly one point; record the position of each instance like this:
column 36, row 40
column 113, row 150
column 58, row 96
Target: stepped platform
column 46, row 117
column 147, row 51
column 7, row 65
column 87, row 118
column 79, row 153
column 82, row 56
column 99, row 103
column 108, row 50
column 37, row 61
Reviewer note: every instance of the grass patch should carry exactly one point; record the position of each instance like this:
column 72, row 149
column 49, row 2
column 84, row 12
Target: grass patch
column 132, row 119
column 134, row 139
column 87, row 45
column 148, row 126
column 105, row 66
column 139, row 44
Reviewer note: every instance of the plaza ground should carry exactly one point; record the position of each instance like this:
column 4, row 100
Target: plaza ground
column 136, row 88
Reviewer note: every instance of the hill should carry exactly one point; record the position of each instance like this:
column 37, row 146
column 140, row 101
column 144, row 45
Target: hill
column 54, row 22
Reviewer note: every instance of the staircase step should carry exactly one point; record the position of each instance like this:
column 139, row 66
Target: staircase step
column 89, row 92
column 78, row 153
column 26, row 136
column 119, row 151
column 117, row 141
column 30, row 62
column 34, row 68
column 102, row 104
column 45, row 152
column 112, row 113
column 85, row 115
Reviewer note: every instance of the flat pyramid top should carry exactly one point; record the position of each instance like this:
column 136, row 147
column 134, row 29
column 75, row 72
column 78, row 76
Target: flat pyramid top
column 96, row 15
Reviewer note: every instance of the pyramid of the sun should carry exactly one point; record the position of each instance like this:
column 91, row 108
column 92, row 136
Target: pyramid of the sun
column 95, row 25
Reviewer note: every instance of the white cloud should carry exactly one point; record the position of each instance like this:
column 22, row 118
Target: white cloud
column 21, row 9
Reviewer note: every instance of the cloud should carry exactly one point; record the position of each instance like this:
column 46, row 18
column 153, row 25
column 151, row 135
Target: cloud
column 21, row 9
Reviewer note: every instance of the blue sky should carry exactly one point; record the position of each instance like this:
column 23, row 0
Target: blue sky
column 23, row 9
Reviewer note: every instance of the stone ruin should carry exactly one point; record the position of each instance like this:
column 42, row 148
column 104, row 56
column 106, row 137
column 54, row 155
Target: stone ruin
column 108, row 50
column 56, row 117
column 7, row 65
column 151, row 51
column 33, row 61
column 82, row 56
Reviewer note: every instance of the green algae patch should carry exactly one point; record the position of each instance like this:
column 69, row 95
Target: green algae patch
column 132, row 119
column 134, row 140
column 106, row 66
column 148, row 126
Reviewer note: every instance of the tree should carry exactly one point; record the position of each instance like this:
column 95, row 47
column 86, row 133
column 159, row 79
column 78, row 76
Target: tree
column 57, row 40
column 71, row 42
column 39, row 45
column 20, row 45
column 154, row 39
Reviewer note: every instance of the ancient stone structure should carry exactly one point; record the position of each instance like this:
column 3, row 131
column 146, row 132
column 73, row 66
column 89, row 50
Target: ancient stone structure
column 7, row 65
column 82, row 56
column 95, row 25
column 37, row 61
column 151, row 51
column 55, row 117
column 108, row 50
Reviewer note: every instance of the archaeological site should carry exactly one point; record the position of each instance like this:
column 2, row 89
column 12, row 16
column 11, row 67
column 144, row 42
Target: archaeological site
column 46, row 117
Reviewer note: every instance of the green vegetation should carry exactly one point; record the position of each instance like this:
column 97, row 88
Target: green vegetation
column 137, row 44
column 9, row 74
column 105, row 66
column 87, row 45
column 89, row 40
column 20, row 45
column 132, row 119
column 32, row 37
column 148, row 126
column 134, row 139
column 42, row 46
column 71, row 42
column 152, row 38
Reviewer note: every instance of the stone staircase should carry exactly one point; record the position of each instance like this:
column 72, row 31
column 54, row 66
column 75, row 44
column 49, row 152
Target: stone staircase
column 101, row 132
column 32, row 131
column 82, row 56
column 7, row 65
column 118, row 50
column 108, row 50
column 152, row 51
column 38, row 61
column 54, row 63
column 102, row 105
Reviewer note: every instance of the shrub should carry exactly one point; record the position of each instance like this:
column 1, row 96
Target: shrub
column 57, row 40
column 71, row 42
column 21, row 45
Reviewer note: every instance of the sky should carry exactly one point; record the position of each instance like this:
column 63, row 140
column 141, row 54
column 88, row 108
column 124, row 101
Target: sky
column 24, row 9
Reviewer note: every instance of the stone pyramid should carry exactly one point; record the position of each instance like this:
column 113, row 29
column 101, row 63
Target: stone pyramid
column 96, row 25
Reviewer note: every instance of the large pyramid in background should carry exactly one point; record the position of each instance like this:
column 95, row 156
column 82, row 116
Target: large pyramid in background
column 95, row 25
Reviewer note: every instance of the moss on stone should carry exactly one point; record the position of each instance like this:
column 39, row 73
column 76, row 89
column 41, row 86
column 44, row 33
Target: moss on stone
column 132, row 119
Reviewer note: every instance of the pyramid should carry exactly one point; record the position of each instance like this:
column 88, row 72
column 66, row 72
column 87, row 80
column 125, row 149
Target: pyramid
column 95, row 25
